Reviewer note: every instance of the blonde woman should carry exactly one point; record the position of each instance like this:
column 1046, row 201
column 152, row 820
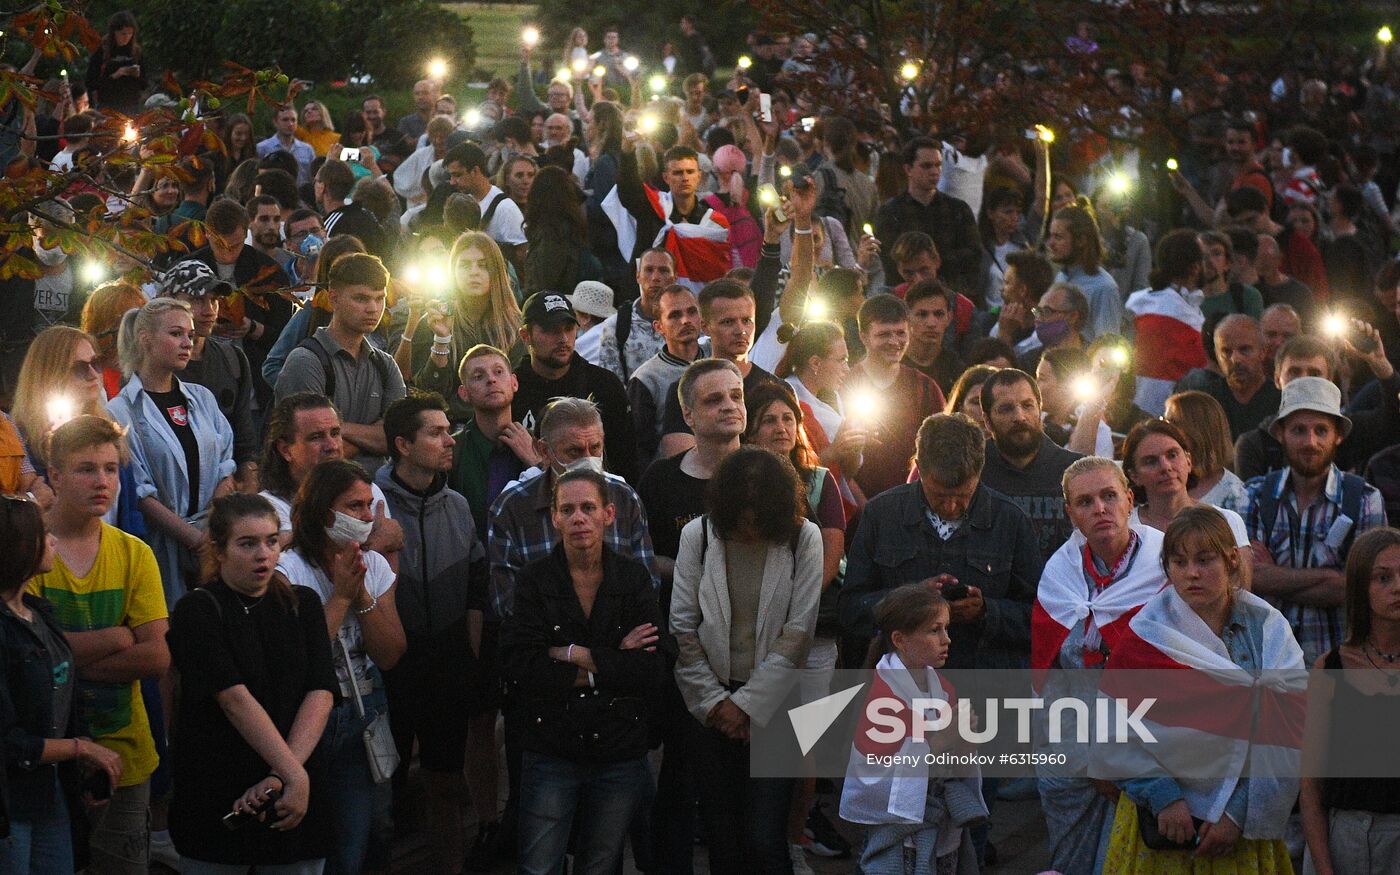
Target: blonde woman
column 181, row 444
column 315, row 127
column 479, row 308
column 59, row 380
column 575, row 48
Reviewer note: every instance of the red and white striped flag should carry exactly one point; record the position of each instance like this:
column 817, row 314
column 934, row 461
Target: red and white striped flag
column 1168, row 326
column 1213, row 722
column 701, row 250
column 1063, row 599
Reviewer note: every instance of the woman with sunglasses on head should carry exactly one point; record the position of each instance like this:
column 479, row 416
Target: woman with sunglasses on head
column 44, row 753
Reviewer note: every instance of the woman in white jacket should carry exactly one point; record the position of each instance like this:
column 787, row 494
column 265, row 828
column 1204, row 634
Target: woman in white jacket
column 747, row 582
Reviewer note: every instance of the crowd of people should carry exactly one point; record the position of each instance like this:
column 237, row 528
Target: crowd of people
column 596, row 417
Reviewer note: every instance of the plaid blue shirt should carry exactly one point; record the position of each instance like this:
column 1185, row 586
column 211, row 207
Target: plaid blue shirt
column 1309, row 541
column 519, row 531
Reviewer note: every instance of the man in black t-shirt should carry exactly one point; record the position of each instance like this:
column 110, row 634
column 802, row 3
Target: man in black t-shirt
column 673, row 493
column 553, row 370
column 333, row 183
column 1021, row 462
column 727, row 315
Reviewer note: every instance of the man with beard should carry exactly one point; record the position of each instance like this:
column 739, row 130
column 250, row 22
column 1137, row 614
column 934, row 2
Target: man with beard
column 1244, row 391
column 265, row 225
column 678, row 321
column 1223, row 294
column 887, row 397
column 1022, row 463
column 1258, row 452
column 1303, row 519
column 554, row 370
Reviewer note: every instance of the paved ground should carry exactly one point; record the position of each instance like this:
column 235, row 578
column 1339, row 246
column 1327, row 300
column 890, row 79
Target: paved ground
column 1018, row 832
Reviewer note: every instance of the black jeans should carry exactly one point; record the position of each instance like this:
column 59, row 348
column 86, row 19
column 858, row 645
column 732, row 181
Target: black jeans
column 745, row 818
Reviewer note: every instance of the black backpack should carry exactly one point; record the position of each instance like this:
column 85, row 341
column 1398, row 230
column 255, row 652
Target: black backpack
column 832, row 200
column 328, row 372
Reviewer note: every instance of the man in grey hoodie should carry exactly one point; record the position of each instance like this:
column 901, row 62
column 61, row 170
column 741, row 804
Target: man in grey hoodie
column 444, row 691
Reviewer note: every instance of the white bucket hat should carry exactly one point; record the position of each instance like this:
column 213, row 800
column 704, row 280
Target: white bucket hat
column 1310, row 393
column 593, row 298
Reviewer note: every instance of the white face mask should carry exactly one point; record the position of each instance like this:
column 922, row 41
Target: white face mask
column 587, row 463
column 49, row 257
column 348, row 530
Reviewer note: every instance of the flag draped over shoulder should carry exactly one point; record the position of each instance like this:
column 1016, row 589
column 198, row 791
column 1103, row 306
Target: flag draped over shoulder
column 701, row 250
column 1063, row 598
column 1168, row 327
column 1214, row 723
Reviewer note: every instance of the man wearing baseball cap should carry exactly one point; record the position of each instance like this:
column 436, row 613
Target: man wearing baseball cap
column 217, row 364
column 1303, row 519
column 554, row 369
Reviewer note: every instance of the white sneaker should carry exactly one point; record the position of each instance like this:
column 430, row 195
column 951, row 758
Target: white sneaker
column 799, row 860
column 163, row 852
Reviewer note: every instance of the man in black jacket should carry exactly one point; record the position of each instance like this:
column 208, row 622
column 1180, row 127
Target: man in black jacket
column 554, row 370
column 955, row 532
column 922, row 207
column 264, row 314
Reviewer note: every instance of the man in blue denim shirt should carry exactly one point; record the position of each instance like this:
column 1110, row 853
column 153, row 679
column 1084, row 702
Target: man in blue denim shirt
column 951, row 528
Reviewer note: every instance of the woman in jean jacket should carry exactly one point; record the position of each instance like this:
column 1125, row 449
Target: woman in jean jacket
column 38, row 712
column 155, row 343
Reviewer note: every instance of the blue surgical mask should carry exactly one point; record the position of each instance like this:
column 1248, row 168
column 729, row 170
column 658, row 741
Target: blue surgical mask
column 311, row 245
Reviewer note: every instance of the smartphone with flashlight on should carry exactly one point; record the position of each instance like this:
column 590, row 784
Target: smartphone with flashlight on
column 349, row 154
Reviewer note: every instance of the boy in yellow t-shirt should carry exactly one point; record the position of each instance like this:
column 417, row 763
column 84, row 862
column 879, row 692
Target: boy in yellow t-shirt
column 106, row 593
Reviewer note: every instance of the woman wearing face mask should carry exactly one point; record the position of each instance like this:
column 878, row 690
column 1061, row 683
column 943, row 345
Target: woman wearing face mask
column 331, row 518
column 256, row 685
column 477, row 307
column 580, row 650
column 181, row 445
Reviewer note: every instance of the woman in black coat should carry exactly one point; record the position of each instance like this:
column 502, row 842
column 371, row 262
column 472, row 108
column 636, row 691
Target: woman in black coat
column 39, row 713
column 580, row 654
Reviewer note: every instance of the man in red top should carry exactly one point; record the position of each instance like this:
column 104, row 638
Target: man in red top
column 1238, row 170
column 916, row 258
column 889, row 398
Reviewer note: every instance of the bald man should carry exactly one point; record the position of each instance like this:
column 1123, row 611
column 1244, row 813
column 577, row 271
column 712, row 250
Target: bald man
column 1243, row 387
column 425, row 97
column 1280, row 323
column 558, row 129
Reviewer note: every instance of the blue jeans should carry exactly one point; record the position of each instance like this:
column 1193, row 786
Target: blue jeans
column 42, row 845
column 359, row 808
column 745, row 818
column 553, row 791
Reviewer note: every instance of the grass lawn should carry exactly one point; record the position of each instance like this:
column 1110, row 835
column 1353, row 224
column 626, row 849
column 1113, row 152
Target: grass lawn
column 497, row 34
column 497, row 28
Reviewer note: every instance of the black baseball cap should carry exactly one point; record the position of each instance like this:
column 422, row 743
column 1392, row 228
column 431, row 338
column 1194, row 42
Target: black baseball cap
column 548, row 309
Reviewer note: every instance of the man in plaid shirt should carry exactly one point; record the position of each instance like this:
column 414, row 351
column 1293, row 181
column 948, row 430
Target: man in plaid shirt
column 1303, row 519
column 519, row 529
